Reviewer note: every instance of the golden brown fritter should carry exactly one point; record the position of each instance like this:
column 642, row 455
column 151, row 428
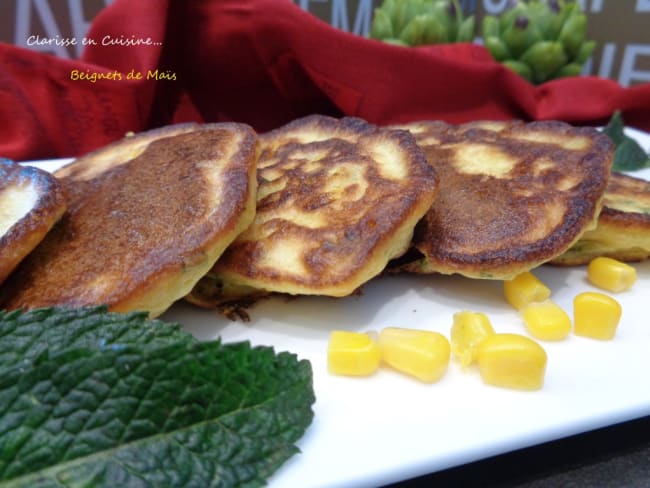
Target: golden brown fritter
column 337, row 199
column 623, row 230
column 147, row 217
column 31, row 202
column 512, row 195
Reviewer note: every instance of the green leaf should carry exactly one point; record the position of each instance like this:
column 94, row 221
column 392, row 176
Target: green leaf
column 92, row 398
column 185, row 414
column 24, row 336
column 615, row 128
column 630, row 156
column 628, row 153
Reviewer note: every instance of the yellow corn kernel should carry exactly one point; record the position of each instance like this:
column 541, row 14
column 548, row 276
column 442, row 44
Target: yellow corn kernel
column 596, row 315
column 524, row 289
column 512, row 361
column 610, row 274
column 352, row 353
column 423, row 354
column 546, row 320
column 467, row 331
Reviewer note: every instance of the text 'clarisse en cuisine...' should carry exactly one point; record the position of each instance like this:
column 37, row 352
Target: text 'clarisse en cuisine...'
column 107, row 40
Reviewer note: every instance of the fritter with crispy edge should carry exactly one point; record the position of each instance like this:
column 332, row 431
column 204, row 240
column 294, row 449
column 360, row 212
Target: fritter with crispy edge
column 147, row 217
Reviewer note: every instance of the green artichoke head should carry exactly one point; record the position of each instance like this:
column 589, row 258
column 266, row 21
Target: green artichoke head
column 418, row 22
column 539, row 39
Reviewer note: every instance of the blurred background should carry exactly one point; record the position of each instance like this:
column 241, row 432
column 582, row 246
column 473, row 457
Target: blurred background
column 619, row 27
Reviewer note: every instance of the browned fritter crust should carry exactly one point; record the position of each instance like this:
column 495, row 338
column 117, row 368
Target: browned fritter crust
column 337, row 199
column 623, row 230
column 23, row 236
column 144, row 214
column 512, row 195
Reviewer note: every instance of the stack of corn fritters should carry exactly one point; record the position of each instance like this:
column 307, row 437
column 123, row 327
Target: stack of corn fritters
column 215, row 212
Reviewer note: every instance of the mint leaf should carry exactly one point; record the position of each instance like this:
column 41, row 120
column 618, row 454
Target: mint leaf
column 24, row 336
column 630, row 156
column 185, row 414
column 628, row 153
column 615, row 128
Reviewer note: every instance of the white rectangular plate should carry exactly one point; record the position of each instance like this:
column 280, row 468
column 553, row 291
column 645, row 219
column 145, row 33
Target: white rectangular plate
column 388, row 427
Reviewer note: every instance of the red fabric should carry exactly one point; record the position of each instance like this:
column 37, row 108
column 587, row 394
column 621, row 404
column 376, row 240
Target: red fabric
column 265, row 62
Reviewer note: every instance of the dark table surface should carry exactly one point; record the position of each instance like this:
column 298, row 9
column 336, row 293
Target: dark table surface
column 616, row 456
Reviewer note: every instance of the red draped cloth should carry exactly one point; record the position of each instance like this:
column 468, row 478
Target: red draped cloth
column 264, row 62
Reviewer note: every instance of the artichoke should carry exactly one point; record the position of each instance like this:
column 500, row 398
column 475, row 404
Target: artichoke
column 417, row 22
column 539, row 39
